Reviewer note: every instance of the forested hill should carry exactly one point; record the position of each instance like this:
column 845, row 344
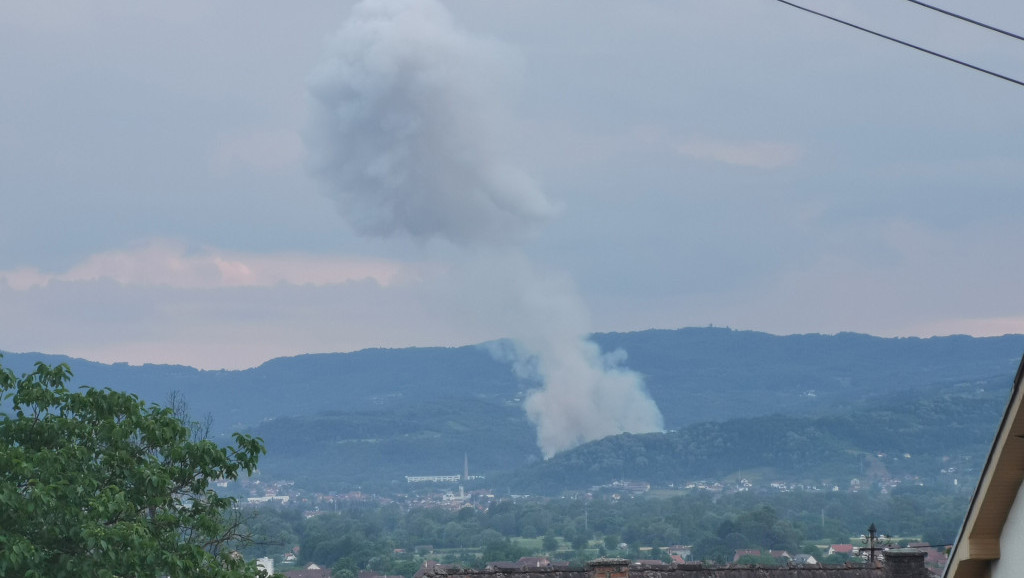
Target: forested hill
column 377, row 414
column 930, row 439
column 708, row 374
column 694, row 374
column 367, row 380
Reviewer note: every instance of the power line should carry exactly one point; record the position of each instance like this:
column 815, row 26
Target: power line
column 904, row 43
column 966, row 19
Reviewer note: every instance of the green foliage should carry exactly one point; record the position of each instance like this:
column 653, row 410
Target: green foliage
column 764, row 560
column 579, row 541
column 96, row 483
column 821, row 451
column 359, row 536
column 498, row 549
column 273, row 530
column 344, row 568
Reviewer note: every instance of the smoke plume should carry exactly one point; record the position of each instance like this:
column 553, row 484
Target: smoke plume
column 585, row 395
column 403, row 135
column 404, row 132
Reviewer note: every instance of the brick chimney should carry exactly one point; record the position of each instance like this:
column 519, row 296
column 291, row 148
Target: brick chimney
column 608, row 568
column 905, row 563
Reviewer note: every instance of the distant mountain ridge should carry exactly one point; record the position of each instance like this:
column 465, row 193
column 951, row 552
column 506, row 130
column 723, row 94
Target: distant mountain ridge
column 305, row 384
column 680, row 366
column 378, row 414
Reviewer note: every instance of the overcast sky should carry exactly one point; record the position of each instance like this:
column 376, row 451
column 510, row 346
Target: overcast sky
column 688, row 162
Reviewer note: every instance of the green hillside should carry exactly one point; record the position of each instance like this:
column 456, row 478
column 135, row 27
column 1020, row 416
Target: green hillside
column 798, row 406
column 904, row 437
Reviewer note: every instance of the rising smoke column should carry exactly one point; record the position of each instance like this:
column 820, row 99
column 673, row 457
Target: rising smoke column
column 586, row 395
column 402, row 132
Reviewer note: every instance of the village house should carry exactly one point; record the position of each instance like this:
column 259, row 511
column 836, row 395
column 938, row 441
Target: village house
column 310, row 571
column 805, row 560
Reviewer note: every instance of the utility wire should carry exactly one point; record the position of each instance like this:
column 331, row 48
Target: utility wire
column 904, row 43
column 966, row 19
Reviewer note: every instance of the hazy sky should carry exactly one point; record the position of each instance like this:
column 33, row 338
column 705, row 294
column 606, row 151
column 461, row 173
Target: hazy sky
column 692, row 162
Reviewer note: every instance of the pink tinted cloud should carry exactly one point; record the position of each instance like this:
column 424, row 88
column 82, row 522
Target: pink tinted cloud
column 163, row 263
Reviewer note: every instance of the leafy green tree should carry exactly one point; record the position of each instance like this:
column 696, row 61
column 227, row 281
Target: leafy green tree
column 344, row 568
column 404, row 567
column 550, row 543
column 273, row 528
column 497, row 548
column 579, row 540
column 95, row 482
column 712, row 548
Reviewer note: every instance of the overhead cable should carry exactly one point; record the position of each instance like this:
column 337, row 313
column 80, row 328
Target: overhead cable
column 966, row 19
column 904, row 43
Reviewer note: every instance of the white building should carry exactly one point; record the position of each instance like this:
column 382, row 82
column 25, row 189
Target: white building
column 989, row 544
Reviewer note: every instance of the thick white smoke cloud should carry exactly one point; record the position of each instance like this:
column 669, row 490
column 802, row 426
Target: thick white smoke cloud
column 586, row 395
column 402, row 133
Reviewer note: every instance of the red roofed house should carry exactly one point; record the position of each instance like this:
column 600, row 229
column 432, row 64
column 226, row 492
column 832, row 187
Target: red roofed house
column 534, row 562
column 741, row 553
